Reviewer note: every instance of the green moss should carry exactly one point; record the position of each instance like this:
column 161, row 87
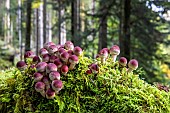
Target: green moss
column 111, row 90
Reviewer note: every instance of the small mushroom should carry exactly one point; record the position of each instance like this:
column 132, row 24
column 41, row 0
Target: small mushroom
column 40, row 87
column 55, row 75
column 103, row 54
column 94, row 68
column 58, row 63
column 50, row 93
column 53, row 58
column 51, row 67
column 46, row 58
column 64, row 69
column 29, row 54
column 114, row 51
column 42, row 52
column 36, row 60
column 37, row 76
column 106, row 49
column 46, row 81
column 88, row 71
column 60, row 50
column 69, row 45
column 73, row 60
column 41, row 67
column 21, row 65
column 52, row 49
column 77, row 51
column 57, row 85
column 123, row 61
column 64, row 56
column 133, row 65
column 70, row 52
column 48, row 44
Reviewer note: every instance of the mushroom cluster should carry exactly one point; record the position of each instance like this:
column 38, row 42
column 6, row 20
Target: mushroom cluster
column 53, row 62
column 113, row 52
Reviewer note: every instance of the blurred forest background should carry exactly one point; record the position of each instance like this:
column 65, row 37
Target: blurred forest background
column 140, row 27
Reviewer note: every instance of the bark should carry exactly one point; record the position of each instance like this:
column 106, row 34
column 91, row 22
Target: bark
column 126, row 29
column 75, row 25
column 28, row 26
column 103, row 27
column 102, row 33
column 37, row 31
column 44, row 21
column 121, row 17
column 62, row 24
column 49, row 27
column 7, row 23
column 41, row 26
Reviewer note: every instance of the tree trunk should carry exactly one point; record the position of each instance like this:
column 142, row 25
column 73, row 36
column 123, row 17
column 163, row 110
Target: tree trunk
column 126, row 29
column 102, row 28
column 62, row 24
column 37, row 31
column 44, row 21
column 41, row 26
column 28, row 26
column 49, row 29
column 75, row 25
column 7, row 23
column 121, row 17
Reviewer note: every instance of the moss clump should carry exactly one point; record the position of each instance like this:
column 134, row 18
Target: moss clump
column 111, row 90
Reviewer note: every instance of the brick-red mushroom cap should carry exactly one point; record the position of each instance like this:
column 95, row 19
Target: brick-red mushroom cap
column 52, row 49
column 77, row 51
column 58, row 62
column 123, row 61
column 42, row 52
column 51, row 67
column 37, row 76
column 73, row 59
column 46, row 45
column 41, row 66
column 103, row 53
column 21, row 65
column 50, row 93
column 64, row 56
column 29, row 54
column 57, row 83
column 133, row 64
column 39, row 86
column 115, row 50
column 55, row 75
column 69, row 45
column 64, row 68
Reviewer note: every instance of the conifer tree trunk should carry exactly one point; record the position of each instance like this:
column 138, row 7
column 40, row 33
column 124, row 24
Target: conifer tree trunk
column 62, row 23
column 19, row 28
column 28, row 27
column 37, row 31
column 44, row 21
column 75, row 25
column 7, row 22
column 103, row 27
column 41, row 26
column 121, row 18
column 126, row 29
column 49, row 26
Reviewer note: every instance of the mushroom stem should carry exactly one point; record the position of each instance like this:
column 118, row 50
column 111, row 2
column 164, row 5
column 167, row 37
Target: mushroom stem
column 103, row 60
column 114, row 57
column 42, row 93
column 72, row 65
column 129, row 70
